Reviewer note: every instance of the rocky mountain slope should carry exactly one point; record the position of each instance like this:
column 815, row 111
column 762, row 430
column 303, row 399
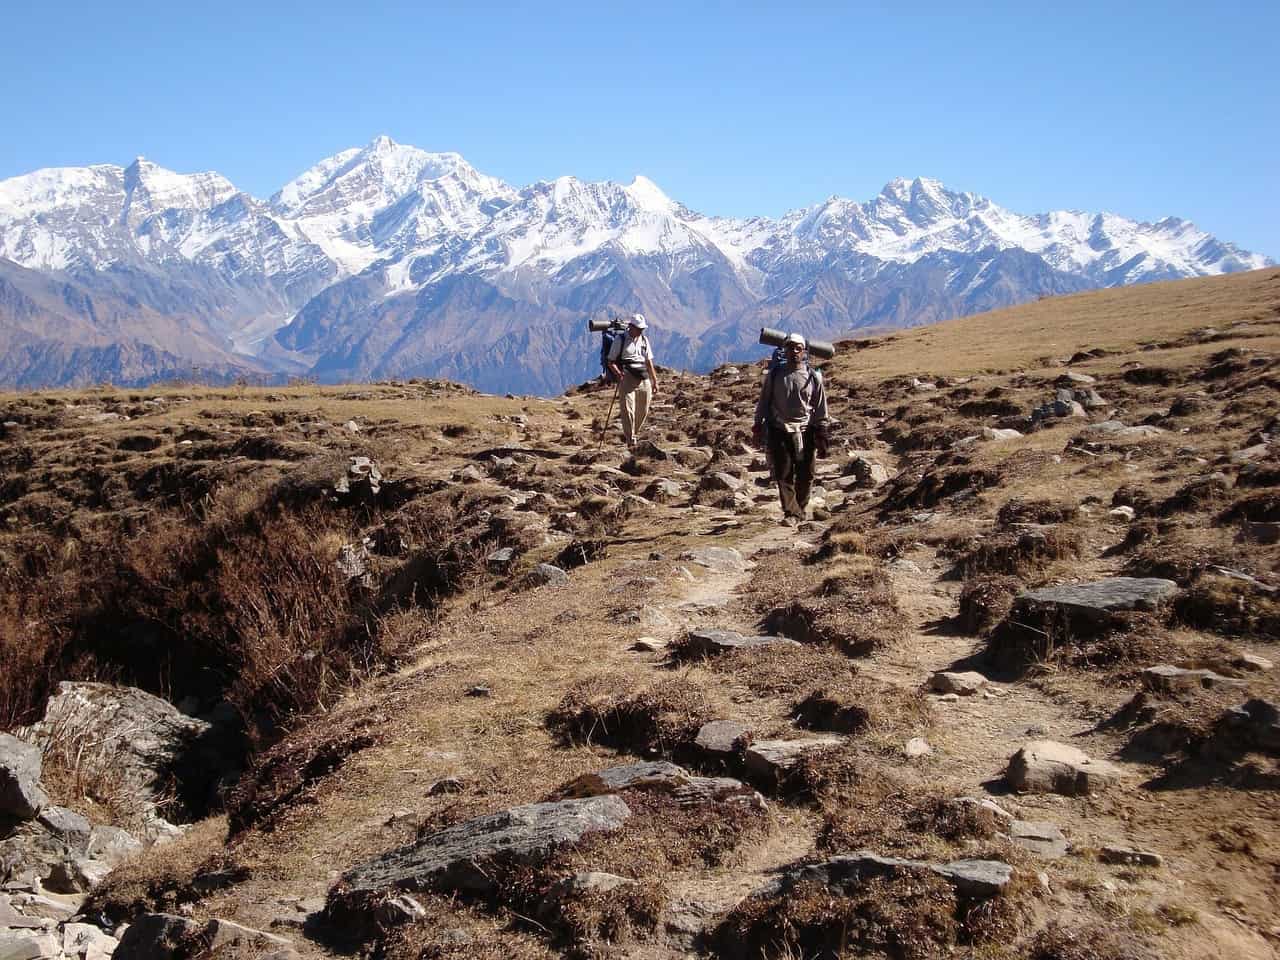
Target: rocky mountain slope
column 390, row 261
column 447, row 676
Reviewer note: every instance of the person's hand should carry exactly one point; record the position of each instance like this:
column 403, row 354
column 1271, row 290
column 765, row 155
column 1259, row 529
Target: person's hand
column 757, row 434
column 821, row 443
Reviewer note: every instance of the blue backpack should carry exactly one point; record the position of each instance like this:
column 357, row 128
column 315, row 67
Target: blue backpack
column 615, row 332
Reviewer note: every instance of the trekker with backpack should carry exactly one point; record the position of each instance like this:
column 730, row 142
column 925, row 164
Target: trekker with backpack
column 631, row 361
column 791, row 424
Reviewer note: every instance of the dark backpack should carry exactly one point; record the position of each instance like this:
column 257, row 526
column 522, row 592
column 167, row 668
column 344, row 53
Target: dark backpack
column 614, row 332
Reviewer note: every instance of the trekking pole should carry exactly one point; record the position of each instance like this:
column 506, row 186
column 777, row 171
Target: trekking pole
column 609, row 416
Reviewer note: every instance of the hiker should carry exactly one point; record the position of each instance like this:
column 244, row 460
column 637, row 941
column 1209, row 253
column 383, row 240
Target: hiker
column 791, row 424
column 631, row 361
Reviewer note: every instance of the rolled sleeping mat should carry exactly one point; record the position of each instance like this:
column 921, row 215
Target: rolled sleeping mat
column 818, row 348
column 598, row 326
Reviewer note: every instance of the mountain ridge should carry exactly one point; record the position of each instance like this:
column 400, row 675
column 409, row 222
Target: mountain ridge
column 349, row 267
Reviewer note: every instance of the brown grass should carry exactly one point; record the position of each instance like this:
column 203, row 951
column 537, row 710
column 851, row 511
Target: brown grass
column 662, row 719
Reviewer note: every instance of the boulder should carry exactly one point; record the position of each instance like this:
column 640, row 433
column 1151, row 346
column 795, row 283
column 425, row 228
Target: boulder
column 917, row 747
column 21, row 796
column 13, row 920
column 30, row 852
column 966, row 683
column 456, row 857
column 1096, row 601
column 1073, row 379
column 77, row 876
column 719, row 481
column 662, row 491
column 664, row 777
column 720, row 738
column 501, row 560
column 87, row 941
column 710, row 643
column 868, row 473
column 546, row 575
column 165, row 936
column 28, row 945
column 992, row 433
column 771, row 760
column 67, row 825
column 111, row 845
column 1258, row 722
column 142, row 740
column 1046, row 766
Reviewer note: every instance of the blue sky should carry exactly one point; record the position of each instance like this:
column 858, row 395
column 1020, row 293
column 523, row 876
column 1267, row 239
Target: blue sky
column 1144, row 109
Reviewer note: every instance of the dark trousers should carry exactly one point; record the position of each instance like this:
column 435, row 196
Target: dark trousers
column 794, row 474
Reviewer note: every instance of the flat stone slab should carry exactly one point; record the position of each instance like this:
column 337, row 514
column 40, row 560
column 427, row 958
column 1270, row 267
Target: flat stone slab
column 710, row 643
column 965, row 683
column 1177, row 681
column 1259, row 722
column 1102, row 597
column 771, row 759
column 976, row 879
column 719, row 559
column 455, row 858
column 1046, row 766
column 1041, row 838
column 659, row 775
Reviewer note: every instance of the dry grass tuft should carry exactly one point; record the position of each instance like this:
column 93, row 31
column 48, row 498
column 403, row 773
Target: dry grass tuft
column 1020, row 552
column 1091, row 942
column 662, row 719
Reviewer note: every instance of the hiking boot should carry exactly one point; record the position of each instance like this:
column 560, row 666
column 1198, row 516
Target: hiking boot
column 788, row 521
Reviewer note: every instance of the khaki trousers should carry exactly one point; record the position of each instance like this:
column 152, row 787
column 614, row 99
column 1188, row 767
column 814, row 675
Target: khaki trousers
column 634, row 393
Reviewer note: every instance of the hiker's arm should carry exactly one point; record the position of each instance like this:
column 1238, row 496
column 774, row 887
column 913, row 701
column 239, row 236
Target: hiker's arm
column 653, row 372
column 762, row 410
column 818, row 421
column 615, row 354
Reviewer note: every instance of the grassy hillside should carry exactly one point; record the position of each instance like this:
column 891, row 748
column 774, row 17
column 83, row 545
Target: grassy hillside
column 392, row 676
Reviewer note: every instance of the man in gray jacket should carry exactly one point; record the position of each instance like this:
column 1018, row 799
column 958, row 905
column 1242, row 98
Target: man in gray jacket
column 791, row 423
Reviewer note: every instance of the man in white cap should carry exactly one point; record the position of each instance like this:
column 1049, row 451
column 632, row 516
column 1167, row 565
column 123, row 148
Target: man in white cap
column 631, row 361
column 791, row 422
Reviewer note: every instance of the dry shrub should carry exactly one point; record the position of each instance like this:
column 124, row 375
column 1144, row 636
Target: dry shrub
column 1020, row 553
column 453, row 931
column 857, row 613
column 985, row 601
column 1090, row 942
column 1229, row 606
column 908, row 917
column 165, row 877
column 783, row 670
column 1036, row 511
column 856, row 704
column 663, row 719
column 285, row 773
column 938, row 485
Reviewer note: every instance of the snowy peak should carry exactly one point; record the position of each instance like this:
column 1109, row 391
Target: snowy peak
column 366, row 179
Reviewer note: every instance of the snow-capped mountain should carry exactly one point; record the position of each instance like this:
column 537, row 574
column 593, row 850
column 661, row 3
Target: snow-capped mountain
column 390, row 260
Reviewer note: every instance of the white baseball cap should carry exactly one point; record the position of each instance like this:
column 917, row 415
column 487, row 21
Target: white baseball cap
column 637, row 321
column 795, row 338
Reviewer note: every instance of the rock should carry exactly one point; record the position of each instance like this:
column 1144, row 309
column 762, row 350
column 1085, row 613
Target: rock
column 868, row 473
column 1042, row 839
column 771, row 760
column 86, row 940
column 21, row 796
column 28, row 945
column 77, row 876
column 966, row 684
column 1258, row 721
column 990, row 433
column 1090, row 399
column 720, row 482
column 29, row 852
column 362, row 479
column 1122, row 514
column 1097, row 600
column 140, row 739
column 590, row 882
column 1130, row 857
column 446, row 785
column 659, row 775
column 500, row 561
column 546, row 575
column 470, row 474
column 974, row 879
column 710, row 643
column 649, row 645
column 720, row 738
column 718, row 559
column 67, row 825
column 455, row 858
column 1046, row 766
column 111, row 845
column 1073, row 379
column 351, row 426
column 1175, row 681
column 223, row 934
column 12, row 919
column 353, row 561
column 917, row 747
column 662, row 491
column 1251, row 662
column 51, row 906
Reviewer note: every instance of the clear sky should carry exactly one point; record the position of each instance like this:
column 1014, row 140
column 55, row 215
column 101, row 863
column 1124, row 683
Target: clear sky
column 1142, row 108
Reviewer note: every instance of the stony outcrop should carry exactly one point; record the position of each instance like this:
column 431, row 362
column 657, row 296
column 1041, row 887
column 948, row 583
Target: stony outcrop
column 974, row 879
column 1046, row 766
